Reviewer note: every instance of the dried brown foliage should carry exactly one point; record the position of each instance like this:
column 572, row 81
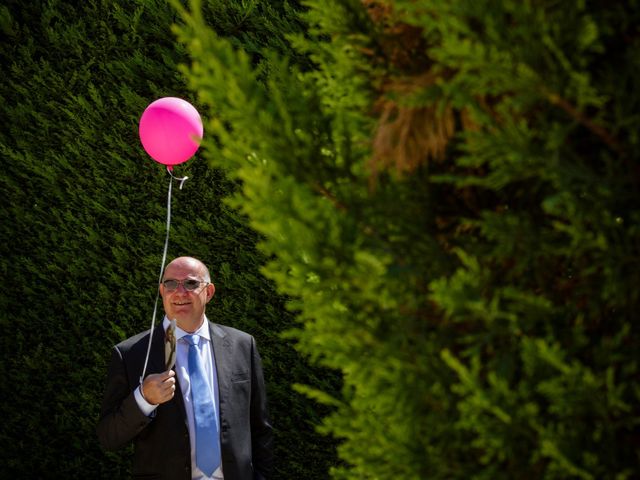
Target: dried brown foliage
column 409, row 136
column 406, row 136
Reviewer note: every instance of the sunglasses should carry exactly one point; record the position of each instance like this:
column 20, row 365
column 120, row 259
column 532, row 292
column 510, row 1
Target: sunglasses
column 189, row 284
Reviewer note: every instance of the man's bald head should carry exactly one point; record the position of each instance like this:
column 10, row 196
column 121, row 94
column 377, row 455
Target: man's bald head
column 190, row 262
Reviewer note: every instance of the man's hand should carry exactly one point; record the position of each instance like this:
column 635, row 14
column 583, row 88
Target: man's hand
column 159, row 387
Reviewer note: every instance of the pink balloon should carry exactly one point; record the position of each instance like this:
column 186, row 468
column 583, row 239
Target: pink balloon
column 170, row 130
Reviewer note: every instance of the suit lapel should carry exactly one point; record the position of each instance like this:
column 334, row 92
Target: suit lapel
column 156, row 356
column 157, row 364
column 223, row 355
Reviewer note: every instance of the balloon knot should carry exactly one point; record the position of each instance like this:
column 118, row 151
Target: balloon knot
column 181, row 180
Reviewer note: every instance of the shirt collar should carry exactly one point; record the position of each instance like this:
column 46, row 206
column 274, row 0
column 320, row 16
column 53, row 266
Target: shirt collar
column 202, row 332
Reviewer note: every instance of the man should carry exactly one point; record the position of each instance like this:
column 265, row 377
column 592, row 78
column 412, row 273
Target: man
column 166, row 424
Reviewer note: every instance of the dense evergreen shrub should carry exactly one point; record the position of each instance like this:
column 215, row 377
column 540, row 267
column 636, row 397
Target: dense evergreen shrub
column 451, row 199
column 83, row 226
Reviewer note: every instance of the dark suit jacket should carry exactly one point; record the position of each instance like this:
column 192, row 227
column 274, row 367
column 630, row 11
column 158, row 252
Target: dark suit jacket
column 161, row 441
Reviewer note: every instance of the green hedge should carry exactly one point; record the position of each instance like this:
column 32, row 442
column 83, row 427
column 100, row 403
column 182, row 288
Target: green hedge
column 452, row 200
column 83, row 226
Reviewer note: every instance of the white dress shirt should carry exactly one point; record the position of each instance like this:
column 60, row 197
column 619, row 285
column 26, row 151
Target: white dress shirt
column 182, row 372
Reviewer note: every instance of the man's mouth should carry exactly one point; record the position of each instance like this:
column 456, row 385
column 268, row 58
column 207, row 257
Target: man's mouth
column 181, row 303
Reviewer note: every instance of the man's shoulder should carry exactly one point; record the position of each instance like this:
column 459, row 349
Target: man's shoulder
column 225, row 330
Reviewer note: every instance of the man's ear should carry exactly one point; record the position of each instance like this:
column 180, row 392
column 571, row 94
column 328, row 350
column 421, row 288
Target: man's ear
column 211, row 291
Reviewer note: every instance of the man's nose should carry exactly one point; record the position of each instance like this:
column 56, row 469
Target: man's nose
column 181, row 288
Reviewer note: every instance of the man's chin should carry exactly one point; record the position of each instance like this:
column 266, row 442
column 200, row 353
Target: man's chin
column 183, row 312
column 182, row 318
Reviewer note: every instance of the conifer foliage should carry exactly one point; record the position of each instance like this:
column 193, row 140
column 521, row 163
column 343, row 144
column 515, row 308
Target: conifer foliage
column 83, row 225
column 450, row 197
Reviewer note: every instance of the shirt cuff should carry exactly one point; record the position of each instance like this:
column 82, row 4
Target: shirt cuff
column 146, row 407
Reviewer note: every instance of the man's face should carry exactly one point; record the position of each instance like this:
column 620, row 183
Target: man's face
column 187, row 307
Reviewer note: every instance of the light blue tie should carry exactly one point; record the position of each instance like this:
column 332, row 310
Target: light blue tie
column 207, row 446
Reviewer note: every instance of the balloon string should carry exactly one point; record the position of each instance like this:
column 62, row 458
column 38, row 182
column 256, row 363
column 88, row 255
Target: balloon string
column 181, row 180
column 164, row 259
